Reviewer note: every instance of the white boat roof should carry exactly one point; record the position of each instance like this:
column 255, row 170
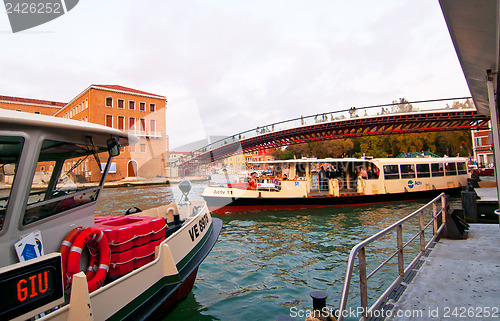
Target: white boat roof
column 42, row 121
column 367, row 160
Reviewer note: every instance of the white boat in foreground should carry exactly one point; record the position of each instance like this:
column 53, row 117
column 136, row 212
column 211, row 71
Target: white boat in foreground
column 52, row 172
column 315, row 182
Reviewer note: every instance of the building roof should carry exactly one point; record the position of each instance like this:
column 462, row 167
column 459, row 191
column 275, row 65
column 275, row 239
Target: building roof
column 21, row 100
column 114, row 88
column 123, row 89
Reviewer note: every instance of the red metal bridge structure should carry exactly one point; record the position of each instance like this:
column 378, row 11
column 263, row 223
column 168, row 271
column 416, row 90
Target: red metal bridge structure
column 337, row 125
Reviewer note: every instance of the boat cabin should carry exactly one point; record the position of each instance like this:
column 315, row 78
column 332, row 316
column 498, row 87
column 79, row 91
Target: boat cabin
column 336, row 176
column 51, row 173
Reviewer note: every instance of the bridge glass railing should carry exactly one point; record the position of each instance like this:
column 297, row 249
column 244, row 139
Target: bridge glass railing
column 462, row 103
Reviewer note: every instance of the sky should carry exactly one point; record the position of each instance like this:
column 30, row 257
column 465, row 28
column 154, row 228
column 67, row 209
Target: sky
column 229, row 66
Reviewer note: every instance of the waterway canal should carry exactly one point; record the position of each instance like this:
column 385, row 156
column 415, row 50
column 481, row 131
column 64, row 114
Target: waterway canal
column 266, row 263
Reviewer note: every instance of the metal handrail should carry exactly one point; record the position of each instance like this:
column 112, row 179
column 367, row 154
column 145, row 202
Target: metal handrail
column 359, row 251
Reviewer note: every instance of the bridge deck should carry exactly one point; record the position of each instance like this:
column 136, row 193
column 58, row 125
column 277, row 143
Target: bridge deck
column 459, row 280
column 336, row 125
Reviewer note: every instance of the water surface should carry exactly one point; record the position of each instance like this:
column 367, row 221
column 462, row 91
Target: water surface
column 266, row 263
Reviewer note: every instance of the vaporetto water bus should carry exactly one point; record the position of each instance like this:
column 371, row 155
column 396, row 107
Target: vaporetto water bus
column 58, row 261
column 311, row 182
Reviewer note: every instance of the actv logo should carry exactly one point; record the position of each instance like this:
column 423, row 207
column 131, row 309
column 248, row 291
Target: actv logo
column 26, row 14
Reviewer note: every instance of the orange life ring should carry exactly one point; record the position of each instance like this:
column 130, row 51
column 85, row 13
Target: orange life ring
column 93, row 261
column 64, row 250
column 93, row 238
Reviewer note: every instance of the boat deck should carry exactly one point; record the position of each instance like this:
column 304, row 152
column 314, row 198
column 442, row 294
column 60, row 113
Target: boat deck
column 459, row 279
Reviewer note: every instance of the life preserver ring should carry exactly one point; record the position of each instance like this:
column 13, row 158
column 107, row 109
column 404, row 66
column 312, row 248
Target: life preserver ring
column 95, row 239
column 64, row 250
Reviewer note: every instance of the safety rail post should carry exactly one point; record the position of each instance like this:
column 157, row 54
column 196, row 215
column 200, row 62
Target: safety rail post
column 434, row 217
column 443, row 213
column 422, row 231
column 363, row 285
column 401, row 261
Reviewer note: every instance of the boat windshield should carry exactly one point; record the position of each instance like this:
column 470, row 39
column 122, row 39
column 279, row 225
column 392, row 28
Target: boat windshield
column 10, row 150
column 67, row 176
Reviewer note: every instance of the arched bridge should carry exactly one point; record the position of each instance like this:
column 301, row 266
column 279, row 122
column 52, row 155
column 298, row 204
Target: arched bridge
column 366, row 121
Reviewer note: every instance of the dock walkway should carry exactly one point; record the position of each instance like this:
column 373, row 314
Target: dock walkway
column 487, row 194
column 459, row 280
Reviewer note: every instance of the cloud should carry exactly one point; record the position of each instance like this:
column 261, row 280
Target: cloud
column 243, row 64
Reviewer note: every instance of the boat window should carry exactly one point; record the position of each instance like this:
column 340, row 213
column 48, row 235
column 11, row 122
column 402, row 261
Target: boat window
column 437, row 169
column 423, row 170
column 10, row 151
column 391, row 171
column 407, row 171
column 451, row 169
column 67, row 176
column 462, row 168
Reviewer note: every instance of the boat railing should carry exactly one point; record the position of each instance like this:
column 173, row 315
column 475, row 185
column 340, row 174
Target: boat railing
column 437, row 222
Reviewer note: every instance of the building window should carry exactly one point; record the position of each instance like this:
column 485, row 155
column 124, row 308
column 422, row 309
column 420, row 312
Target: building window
column 142, row 106
column 109, row 101
column 121, row 103
column 152, row 108
column 131, row 123
column 131, row 105
column 143, row 148
column 479, row 141
column 142, row 124
column 109, row 120
column 121, row 123
column 152, row 126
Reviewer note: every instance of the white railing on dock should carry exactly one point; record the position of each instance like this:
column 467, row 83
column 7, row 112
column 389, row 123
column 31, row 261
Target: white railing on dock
column 360, row 252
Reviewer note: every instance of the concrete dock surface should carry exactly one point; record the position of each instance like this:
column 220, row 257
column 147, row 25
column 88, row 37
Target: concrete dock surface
column 459, row 280
column 487, row 194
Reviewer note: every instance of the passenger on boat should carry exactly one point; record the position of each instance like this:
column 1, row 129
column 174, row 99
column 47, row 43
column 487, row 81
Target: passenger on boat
column 285, row 177
column 252, row 184
column 329, row 171
column 277, row 180
column 372, row 173
column 322, row 179
column 362, row 173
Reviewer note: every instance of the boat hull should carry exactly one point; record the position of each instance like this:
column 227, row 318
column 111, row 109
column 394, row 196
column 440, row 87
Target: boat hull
column 149, row 292
column 165, row 294
column 223, row 204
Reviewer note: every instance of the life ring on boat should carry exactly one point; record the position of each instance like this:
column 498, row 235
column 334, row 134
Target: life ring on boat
column 64, row 250
column 94, row 239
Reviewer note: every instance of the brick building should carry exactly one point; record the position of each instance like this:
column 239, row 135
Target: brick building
column 483, row 148
column 130, row 110
column 29, row 105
